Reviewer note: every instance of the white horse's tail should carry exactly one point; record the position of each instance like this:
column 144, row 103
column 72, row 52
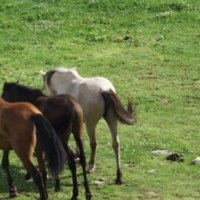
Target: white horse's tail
column 112, row 101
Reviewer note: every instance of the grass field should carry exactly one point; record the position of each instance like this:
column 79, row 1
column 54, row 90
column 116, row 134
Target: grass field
column 150, row 50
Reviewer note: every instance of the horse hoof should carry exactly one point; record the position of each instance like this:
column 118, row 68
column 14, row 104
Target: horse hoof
column 12, row 195
column 90, row 169
column 57, row 189
column 27, row 177
column 74, row 198
column 13, row 192
column 77, row 161
column 88, row 196
column 118, row 182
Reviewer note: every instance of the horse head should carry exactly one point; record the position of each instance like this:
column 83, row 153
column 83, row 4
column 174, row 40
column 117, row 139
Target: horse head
column 57, row 75
column 7, row 92
column 14, row 92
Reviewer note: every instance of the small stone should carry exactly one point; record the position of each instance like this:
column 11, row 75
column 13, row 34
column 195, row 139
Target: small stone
column 162, row 152
column 196, row 161
column 152, row 194
column 151, row 171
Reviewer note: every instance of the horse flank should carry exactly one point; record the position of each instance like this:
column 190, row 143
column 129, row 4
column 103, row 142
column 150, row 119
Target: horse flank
column 24, row 129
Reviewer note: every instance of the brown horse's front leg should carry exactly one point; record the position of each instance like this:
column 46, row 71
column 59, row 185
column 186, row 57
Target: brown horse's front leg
column 5, row 165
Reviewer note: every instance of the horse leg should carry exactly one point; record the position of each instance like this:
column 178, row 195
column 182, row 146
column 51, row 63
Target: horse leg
column 37, row 177
column 112, row 123
column 41, row 164
column 93, row 146
column 25, row 154
column 72, row 167
column 5, row 165
column 83, row 165
column 28, row 176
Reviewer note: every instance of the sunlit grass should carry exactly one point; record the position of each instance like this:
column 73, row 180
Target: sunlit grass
column 150, row 51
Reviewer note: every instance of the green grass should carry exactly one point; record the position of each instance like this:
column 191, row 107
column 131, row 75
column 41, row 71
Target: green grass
column 150, row 50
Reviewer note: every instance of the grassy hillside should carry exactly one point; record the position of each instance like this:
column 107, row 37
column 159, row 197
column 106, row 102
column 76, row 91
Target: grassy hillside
column 150, row 50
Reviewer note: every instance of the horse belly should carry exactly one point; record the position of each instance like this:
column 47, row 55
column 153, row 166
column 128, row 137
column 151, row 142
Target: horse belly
column 93, row 106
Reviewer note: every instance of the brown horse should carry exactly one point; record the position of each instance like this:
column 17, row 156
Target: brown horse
column 65, row 115
column 25, row 130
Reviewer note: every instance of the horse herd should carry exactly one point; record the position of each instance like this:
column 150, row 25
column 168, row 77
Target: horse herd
column 34, row 123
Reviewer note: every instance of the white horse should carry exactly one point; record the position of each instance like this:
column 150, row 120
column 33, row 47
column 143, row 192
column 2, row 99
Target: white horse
column 98, row 98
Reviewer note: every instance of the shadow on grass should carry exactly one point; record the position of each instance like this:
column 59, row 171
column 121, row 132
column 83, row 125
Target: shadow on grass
column 27, row 188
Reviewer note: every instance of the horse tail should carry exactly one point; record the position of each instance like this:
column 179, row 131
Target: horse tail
column 112, row 101
column 51, row 144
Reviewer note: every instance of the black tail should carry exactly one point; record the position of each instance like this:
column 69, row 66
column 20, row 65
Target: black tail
column 54, row 151
column 124, row 116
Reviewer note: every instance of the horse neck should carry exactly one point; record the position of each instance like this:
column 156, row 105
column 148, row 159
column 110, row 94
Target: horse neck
column 30, row 96
column 36, row 98
column 39, row 101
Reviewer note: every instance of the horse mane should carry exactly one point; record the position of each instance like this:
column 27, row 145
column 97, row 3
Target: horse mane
column 72, row 71
column 64, row 69
column 25, row 89
column 30, row 88
column 48, row 76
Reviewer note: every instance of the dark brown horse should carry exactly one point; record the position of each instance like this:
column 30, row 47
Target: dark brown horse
column 65, row 115
column 24, row 129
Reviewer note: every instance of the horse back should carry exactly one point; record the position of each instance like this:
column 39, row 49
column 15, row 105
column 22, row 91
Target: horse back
column 63, row 111
column 87, row 91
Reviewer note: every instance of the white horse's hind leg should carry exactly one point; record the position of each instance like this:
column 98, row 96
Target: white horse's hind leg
column 112, row 123
column 93, row 146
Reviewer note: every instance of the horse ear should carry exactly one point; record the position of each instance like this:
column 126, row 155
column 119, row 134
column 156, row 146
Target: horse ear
column 42, row 72
column 5, row 83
